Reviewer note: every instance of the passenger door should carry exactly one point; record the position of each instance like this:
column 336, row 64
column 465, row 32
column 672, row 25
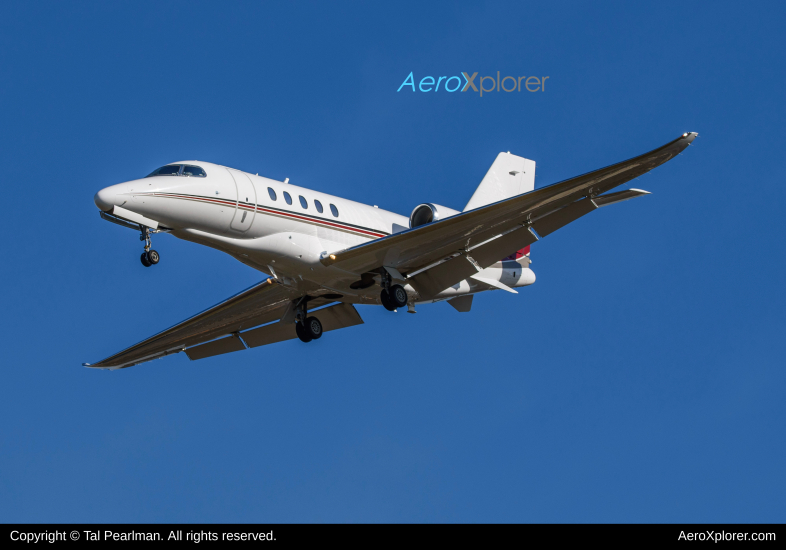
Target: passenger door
column 246, row 202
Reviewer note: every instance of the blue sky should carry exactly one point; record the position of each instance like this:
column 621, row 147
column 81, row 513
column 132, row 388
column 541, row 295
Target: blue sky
column 640, row 379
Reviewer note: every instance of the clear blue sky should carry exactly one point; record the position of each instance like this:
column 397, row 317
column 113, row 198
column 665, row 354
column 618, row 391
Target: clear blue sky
column 640, row 379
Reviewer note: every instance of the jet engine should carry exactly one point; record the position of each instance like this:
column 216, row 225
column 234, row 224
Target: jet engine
column 427, row 213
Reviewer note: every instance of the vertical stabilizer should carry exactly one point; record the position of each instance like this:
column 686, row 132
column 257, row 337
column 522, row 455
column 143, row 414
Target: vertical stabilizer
column 508, row 176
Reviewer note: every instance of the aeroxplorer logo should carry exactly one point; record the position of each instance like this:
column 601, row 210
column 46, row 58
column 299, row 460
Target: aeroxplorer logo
column 482, row 85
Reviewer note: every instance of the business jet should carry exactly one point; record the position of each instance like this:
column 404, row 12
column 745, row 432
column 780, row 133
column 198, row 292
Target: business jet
column 323, row 254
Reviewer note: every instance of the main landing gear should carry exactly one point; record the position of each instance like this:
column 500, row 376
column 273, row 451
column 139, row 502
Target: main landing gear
column 307, row 328
column 392, row 296
column 149, row 257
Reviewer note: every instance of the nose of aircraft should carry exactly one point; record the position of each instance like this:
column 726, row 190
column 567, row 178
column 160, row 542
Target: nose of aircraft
column 105, row 199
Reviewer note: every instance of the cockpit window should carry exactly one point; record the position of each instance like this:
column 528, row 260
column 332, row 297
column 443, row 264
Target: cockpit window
column 193, row 171
column 179, row 170
column 168, row 170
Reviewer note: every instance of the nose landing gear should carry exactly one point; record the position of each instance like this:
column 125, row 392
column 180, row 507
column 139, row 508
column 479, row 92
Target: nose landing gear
column 149, row 257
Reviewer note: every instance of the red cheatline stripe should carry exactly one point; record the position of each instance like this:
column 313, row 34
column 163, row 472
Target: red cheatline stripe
column 217, row 201
column 274, row 212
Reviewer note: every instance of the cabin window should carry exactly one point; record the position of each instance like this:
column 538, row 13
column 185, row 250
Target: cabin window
column 334, row 210
column 168, row 170
column 303, row 202
column 193, row 171
column 318, row 205
column 287, row 198
column 271, row 193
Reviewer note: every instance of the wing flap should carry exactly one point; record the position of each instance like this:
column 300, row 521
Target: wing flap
column 270, row 334
column 216, row 347
column 332, row 318
column 433, row 281
column 562, row 217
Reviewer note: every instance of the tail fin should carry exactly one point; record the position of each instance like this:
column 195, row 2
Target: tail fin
column 508, row 176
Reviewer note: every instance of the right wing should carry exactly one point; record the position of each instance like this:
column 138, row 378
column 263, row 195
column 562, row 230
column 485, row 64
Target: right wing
column 436, row 256
column 197, row 336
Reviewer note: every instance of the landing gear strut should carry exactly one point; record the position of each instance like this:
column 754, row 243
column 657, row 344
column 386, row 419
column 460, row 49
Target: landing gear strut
column 149, row 257
column 307, row 328
column 392, row 296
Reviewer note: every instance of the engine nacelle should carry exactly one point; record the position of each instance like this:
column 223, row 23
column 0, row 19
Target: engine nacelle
column 427, row 213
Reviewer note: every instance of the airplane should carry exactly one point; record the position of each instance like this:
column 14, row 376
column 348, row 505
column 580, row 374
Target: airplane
column 323, row 254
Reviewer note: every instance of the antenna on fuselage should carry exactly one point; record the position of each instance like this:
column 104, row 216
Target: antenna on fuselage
column 286, row 180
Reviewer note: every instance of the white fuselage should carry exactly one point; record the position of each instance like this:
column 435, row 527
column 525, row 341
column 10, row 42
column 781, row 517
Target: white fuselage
column 236, row 212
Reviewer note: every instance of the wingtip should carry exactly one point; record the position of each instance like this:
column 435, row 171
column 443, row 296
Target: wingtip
column 690, row 136
column 94, row 367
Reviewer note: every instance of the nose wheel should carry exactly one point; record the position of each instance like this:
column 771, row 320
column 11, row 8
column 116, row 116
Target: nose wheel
column 149, row 256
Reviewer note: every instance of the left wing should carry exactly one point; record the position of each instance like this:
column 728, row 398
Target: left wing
column 438, row 255
column 260, row 304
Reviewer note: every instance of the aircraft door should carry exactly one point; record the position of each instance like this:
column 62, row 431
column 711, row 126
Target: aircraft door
column 246, row 202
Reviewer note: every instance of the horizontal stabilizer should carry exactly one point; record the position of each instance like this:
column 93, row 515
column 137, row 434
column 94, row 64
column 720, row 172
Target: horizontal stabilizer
column 613, row 198
column 494, row 283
